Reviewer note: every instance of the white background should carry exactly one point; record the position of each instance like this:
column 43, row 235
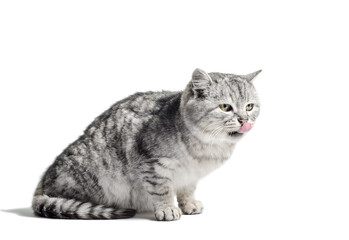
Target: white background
column 62, row 63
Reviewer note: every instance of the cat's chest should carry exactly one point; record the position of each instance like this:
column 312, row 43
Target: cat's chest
column 192, row 171
column 208, row 152
column 196, row 166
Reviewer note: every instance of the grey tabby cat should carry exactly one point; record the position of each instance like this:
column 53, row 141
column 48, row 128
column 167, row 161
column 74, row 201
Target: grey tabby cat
column 148, row 148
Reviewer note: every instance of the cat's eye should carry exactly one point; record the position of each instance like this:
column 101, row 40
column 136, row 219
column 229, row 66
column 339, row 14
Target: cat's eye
column 249, row 106
column 225, row 107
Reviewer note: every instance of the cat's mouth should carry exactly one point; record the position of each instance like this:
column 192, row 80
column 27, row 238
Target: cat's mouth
column 245, row 127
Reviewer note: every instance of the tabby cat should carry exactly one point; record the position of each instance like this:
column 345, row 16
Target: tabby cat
column 149, row 148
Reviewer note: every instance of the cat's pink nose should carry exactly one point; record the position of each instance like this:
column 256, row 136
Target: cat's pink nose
column 245, row 127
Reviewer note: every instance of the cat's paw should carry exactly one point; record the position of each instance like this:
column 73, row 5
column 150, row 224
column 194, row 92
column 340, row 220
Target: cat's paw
column 192, row 207
column 169, row 213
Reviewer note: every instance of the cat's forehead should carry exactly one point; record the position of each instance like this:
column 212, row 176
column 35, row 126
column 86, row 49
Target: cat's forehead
column 231, row 86
column 218, row 77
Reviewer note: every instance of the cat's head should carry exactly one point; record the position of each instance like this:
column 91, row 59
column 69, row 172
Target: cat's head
column 220, row 106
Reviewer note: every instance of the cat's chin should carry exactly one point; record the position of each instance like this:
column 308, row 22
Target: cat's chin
column 235, row 134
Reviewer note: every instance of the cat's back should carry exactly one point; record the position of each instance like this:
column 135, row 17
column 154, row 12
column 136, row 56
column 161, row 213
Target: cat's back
column 132, row 112
column 143, row 102
column 143, row 105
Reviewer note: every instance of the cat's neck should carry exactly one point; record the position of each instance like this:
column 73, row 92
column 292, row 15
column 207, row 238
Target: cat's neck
column 206, row 146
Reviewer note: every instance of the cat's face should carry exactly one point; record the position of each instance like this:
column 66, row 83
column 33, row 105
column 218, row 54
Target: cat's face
column 220, row 106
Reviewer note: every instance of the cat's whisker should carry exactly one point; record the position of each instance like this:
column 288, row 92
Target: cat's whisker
column 207, row 126
column 213, row 135
column 215, row 131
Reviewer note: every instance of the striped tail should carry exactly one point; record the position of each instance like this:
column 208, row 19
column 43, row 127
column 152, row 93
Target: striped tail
column 51, row 207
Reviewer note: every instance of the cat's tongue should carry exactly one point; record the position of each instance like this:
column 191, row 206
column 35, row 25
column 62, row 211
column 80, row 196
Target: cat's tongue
column 245, row 127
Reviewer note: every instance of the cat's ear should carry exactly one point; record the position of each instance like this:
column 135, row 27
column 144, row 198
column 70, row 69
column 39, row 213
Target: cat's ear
column 200, row 80
column 251, row 76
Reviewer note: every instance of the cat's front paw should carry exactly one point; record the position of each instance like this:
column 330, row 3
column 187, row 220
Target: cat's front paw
column 169, row 213
column 192, row 207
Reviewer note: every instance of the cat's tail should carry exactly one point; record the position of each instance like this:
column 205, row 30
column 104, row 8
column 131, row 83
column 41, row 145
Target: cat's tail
column 52, row 207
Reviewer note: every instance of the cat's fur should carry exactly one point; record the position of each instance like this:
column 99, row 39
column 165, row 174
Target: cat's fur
column 147, row 149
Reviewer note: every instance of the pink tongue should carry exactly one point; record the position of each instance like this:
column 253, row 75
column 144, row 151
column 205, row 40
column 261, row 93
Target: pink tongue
column 245, row 127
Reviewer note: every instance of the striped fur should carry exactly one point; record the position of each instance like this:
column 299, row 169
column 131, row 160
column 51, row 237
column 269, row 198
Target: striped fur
column 147, row 149
column 50, row 207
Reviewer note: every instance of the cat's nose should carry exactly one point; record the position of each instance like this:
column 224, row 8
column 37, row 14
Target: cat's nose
column 242, row 120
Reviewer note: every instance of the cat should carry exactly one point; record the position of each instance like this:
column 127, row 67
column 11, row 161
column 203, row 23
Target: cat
column 149, row 148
